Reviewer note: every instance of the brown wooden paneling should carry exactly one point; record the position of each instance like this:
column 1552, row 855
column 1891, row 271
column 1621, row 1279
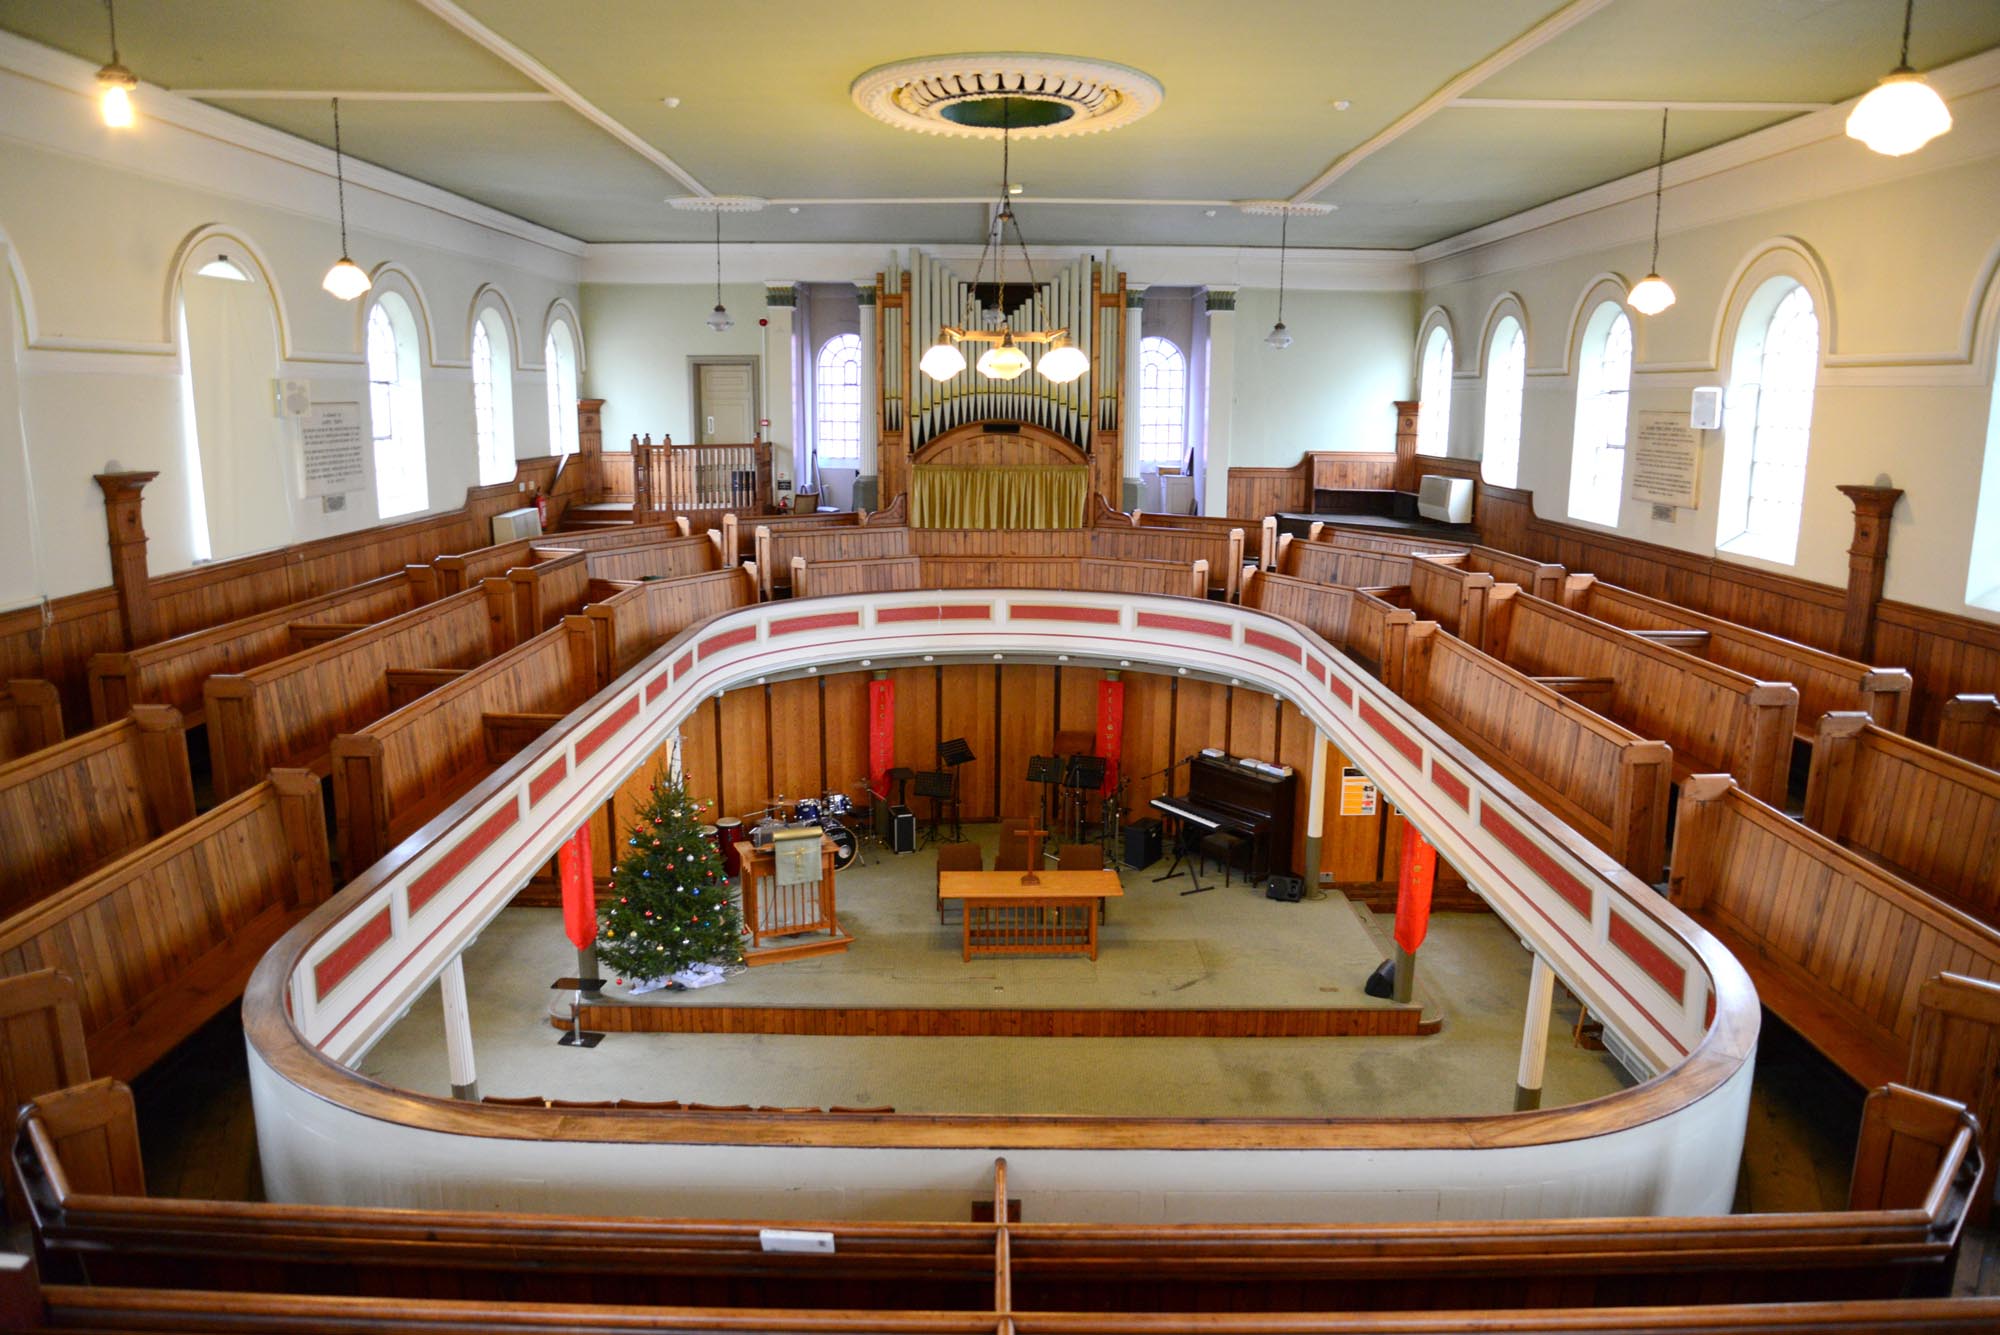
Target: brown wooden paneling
column 1201, row 719
column 916, row 724
column 1076, row 700
column 796, row 767
column 1027, row 728
column 1351, row 847
column 699, row 762
column 968, row 707
column 1948, row 655
column 1253, row 724
column 1295, row 748
column 1149, row 739
column 844, row 708
column 1970, row 729
column 746, row 752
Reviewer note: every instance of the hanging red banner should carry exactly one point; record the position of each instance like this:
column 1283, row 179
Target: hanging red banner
column 1111, row 729
column 1413, row 889
column 579, row 889
column 881, row 734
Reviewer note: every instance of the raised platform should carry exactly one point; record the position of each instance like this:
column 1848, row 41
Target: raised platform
column 969, row 1022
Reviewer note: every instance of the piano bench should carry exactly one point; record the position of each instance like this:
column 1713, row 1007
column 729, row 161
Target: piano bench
column 1226, row 843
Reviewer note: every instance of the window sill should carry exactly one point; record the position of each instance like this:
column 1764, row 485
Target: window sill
column 1760, row 549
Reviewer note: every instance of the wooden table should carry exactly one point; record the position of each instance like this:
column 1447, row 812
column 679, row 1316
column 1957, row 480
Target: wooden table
column 1055, row 916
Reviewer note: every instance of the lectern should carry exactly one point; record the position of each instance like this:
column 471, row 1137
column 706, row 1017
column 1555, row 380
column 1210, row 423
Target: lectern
column 788, row 892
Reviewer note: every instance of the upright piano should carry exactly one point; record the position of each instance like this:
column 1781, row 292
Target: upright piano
column 1242, row 798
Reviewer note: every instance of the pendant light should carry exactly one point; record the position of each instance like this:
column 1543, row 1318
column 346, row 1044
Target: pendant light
column 719, row 319
column 1651, row 294
column 346, row 279
column 115, row 83
column 1280, row 337
column 1902, row 113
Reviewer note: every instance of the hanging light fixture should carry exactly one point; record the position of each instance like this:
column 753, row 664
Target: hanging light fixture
column 719, row 319
column 346, row 279
column 115, row 83
column 1004, row 360
column 1280, row 337
column 1651, row 294
column 1902, row 113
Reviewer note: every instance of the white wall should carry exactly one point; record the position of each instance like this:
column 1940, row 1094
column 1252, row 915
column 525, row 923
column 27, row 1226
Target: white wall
column 97, row 221
column 1905, row 251
column 1334, row 388
column 642, row 336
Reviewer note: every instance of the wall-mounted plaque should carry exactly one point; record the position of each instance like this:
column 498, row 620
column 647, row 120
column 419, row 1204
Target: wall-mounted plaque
column 333, row 450
column 1663, row 459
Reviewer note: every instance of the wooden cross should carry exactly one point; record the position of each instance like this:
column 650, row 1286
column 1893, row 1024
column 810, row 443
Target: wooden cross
column 1035, row 838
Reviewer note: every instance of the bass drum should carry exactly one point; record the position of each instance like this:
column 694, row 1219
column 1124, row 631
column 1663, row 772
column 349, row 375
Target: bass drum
column 845, row 845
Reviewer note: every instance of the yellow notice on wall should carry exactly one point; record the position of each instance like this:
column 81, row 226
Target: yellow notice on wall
column 1357, row 793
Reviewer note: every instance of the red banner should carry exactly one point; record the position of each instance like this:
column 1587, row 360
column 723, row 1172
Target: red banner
column 579, row 889
column 1111, row 729
column 1413, row 889
column 881, row 734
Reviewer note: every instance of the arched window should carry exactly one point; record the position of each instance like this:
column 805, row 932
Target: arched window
column 1434, row 394
column 493, row 397
column 396, row 408
column 1603, row 389
column 1982, row 572
column 837, row 402
column 1768, row 425
column 1162, row 404
column 1506, row 375
column 559, row 356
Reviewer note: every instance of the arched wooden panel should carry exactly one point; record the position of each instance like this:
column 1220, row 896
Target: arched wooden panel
column 1012, row 445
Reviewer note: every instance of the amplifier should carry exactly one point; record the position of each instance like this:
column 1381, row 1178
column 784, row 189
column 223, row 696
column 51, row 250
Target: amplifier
column 902, row 830
column 1142, row 842
column 1290, row 889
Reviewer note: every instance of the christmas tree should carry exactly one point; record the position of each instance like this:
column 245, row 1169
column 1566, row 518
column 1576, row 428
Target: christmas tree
column 670, row 903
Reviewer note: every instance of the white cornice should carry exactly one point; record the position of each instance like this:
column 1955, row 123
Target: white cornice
column 48, row 98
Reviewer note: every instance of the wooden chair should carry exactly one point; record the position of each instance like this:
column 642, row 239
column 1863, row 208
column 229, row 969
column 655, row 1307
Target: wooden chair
column 1015, row 852
column 957, row 857
column 532, row 1101
column 1082, row 857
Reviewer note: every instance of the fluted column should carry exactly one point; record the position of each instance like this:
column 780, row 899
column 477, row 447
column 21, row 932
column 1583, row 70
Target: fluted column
column 1128, row 422
column 871, row 423
column 1220, row 399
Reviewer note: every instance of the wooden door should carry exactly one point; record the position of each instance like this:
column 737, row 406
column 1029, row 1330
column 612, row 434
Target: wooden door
column 724, row 410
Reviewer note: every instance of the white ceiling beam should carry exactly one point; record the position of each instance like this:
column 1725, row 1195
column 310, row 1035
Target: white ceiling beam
column 1090, row 201
column 1625, row 104
column 1550, row 28
column 352, row 95
column 547, row 78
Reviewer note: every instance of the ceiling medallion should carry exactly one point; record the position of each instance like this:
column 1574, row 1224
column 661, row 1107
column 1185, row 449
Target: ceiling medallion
column 975, row 95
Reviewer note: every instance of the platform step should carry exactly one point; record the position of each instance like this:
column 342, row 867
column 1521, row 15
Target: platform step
column 823, row 945
column 666, row 1013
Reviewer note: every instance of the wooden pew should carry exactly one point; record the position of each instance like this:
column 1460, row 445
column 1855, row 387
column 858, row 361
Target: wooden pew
column 70, row 808
column 776, row 546
column 1441, row 590
column 670, row 558
column 633, row 622
column 1713, row 717
column 1921, row 813
column 1322, row 608
column 1340, row 563
column 402, row 769
column 1091, row 575
column 172, row 672
column 1839, row 949
column 1826, row 681
column 1378, row 635
column 287, row 712
column 544, row 593
column 30, row 717
column 41, row 1050
column 1970, row 729
column 1544, row 579
column 167, row 935
column 1223, row 551
column 1955, row 1052
column 1606, row 782
column 831, row 579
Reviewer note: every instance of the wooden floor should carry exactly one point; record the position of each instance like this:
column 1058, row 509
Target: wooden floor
column 978, row 1022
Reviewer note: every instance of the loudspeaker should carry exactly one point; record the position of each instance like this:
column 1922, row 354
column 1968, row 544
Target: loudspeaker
column 1142, row 843
column 1382, row 983
column 902, row 830
column 1289, row 889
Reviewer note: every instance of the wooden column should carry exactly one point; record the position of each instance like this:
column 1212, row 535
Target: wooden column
column 590, row 427
column 1535, row 1036
column 458, row 1031
column 126, row 530
column 1867, row 563
column 1406, row 445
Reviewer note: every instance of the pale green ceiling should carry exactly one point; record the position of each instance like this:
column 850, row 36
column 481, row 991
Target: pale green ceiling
column 1250, row 87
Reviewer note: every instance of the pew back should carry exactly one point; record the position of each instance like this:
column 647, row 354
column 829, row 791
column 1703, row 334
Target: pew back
column 1340, row 563
column 30, row 716
column 1970, row 729
column 829, row 579
column 1378, row 635
column 1955, row 1052
column 1322, row 608
column 669, row 558
column 633, row 622
column 1452, row 596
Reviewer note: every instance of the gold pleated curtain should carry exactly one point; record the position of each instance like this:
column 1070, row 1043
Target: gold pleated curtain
column 949, row 496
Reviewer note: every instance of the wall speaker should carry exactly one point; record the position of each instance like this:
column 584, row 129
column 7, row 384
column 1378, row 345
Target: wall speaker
column 1142, row 843
column 1287, row 889
column 1382, row 983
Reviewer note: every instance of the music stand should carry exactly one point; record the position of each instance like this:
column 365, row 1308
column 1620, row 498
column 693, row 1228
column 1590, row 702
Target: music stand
column 952, row 754
column 1085, row 776
column 901, row 776
column 1047, row 771
column 937, row 786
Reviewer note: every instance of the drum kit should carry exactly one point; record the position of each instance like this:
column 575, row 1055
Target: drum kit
column 829, row 811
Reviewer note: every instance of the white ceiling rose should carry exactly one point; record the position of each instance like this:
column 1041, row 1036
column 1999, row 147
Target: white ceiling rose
column 924, row 94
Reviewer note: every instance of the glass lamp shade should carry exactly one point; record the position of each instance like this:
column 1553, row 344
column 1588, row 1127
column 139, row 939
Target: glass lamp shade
column 114, row 95
column 346, row 280
column 1063, row 363
column 1279, row 338
column 720, row 319
column 1650, row 295
column 942, row 361
column 1002, row 361
column 1900, row 115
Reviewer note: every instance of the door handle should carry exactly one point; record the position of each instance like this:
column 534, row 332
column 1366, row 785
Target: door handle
column 711, row 424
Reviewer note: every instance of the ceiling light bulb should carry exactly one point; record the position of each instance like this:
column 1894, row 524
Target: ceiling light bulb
column 114, row 95
column 1900, row 115
column 942, row 361
column 222, row 267
column 346, row 279
column 720, row 319
column 1015, row 189
column 1063, row 363
column 1279, row 338
column 1002, row 361
column 1650, row 295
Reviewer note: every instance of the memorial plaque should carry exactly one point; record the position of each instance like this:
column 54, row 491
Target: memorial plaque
column 333, row 447
column 1663, row 465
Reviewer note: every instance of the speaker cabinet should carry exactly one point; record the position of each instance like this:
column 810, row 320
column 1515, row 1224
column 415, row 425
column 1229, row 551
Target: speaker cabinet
column 1142, row 843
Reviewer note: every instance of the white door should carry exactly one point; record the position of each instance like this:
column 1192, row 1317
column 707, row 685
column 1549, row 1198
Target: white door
column 724, row 415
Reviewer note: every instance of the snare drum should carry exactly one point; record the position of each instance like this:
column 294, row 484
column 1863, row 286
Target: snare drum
column 839, row 804
column 805, row 811
column 729, row 834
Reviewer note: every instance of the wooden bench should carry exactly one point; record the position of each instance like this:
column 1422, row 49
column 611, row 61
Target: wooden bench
column 1922, row 813
column 288, row 712
column 1838, row 948
column 542, row 594
column 167, row 935
column 1544, row 579
column 1713, row 717
column 832, row 579
column 1609, row 784
column 635, row 621
column 669, row 558
column 775, row 548
column 1970, row 729
column 1826, row 682
column 402, row 769
column 1441, row 590
column 1378, row 634
column 1339, row 563
column 172, row 672
column 72, row 807
column 30, row 717
column 1223, row 551
column 1322, row 608
column 1955, row 1052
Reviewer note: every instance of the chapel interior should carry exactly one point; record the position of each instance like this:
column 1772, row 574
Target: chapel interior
column 1071, row 667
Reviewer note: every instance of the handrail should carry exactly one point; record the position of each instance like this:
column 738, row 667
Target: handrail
column 1675, row 997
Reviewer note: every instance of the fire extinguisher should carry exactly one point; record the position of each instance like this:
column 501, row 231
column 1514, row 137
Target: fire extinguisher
column 542, row 512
